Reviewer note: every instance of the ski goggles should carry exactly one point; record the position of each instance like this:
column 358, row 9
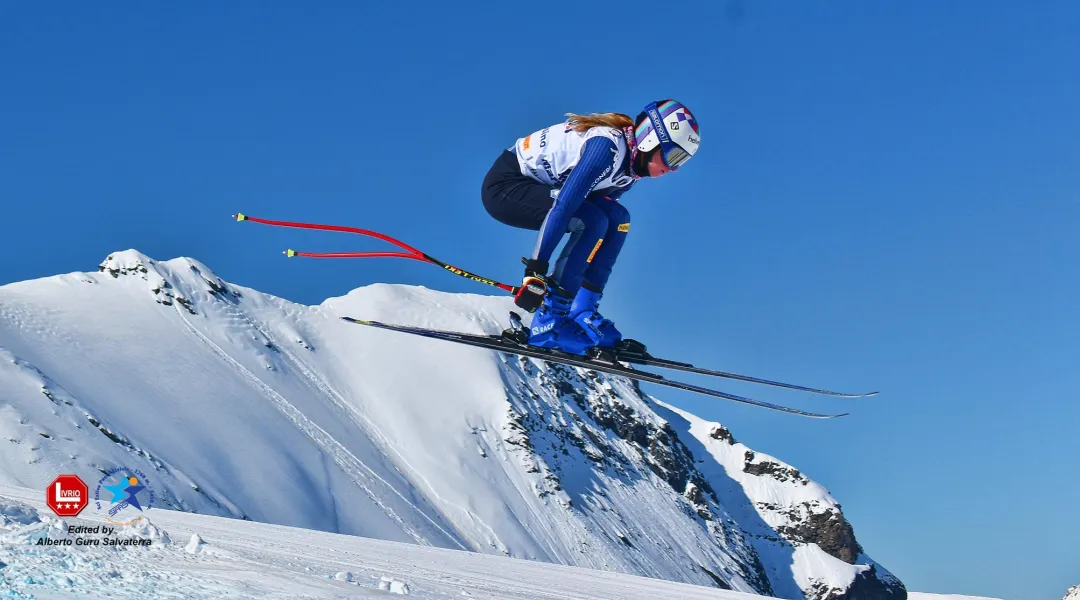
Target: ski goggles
column 675, row 157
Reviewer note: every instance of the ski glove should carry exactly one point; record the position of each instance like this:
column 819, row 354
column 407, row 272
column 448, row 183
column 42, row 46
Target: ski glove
column 533, row 285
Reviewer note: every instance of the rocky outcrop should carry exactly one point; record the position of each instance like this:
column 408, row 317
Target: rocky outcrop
column 719, row 432
column 775, row 470
column 132, row 263
column 659, row 446
column 800, row 523
column 870, row 584
column 607, row 430
column 827, row 528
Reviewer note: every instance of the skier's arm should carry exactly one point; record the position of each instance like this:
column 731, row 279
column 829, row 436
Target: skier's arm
column 597, row 161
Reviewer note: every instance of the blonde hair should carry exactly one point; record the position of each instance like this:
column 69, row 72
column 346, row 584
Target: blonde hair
column 583, row 123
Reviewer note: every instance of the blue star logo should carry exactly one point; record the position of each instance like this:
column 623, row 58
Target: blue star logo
column 127, row 490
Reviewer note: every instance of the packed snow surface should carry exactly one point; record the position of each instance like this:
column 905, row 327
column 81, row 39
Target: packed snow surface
column 242, row 559
column 926, row 596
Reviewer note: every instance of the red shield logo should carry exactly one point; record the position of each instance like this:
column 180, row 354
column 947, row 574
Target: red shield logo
column 67, row 495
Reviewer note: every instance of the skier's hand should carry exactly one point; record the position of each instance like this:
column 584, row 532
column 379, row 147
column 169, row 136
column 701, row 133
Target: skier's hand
column 533, row 286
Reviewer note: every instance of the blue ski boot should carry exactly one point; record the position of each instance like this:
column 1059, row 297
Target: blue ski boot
column 553, row 328
column 583, row 311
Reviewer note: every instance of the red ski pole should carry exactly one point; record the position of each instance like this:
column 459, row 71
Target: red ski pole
column 408, row 251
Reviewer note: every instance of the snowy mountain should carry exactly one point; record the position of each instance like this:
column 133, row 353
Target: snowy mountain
column 1073, row 593
column 240, row 404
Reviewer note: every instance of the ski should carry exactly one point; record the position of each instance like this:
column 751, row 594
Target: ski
column 633, row 352
column 503, row 344
column 648, row 360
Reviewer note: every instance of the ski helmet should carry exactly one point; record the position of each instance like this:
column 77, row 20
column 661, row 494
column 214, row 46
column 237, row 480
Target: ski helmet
column 671, row 127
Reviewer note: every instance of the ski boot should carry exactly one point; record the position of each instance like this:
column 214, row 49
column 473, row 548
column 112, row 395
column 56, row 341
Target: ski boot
column 601, row 331
column 553, row 328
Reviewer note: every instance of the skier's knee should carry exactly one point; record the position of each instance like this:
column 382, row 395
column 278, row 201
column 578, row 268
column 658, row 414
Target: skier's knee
column 618, row 218
column 618, row 214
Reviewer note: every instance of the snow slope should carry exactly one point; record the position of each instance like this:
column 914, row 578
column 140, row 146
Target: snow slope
column 241, row 404
column 200, row 557
column 924, row 596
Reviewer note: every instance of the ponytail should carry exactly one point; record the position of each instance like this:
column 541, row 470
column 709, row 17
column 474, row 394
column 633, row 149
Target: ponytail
column 583, row 123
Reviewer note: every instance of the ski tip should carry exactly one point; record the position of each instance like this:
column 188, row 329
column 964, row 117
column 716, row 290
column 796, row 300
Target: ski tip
column 821, row 416
column 290, row 253
column 240, row 217
column 359, row 321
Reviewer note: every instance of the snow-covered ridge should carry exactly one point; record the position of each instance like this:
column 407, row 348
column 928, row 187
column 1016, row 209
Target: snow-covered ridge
column 241, row 404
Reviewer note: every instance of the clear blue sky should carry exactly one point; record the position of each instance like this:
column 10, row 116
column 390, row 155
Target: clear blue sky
column 888, row 196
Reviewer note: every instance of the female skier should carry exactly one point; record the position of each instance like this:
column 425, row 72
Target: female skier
column 568, row 178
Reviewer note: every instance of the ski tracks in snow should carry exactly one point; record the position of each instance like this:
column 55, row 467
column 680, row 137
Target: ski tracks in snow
column 374, row 434
column 361, row 474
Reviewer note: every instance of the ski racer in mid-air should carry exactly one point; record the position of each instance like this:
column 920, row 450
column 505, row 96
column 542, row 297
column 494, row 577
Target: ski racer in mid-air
column 568, row 178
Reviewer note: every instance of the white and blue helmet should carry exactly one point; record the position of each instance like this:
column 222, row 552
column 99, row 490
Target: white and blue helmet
column 671, row 127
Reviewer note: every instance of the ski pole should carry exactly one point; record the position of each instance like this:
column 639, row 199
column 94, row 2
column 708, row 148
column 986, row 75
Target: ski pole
column 409, row 251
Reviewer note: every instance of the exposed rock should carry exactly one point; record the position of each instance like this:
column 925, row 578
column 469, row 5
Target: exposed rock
column 828, row 529
column 128, row 262
column 216, row 286
column 619, row 418
column 773, row 469
column 720, row 583
column 701, row 506
column 719, row 432
column 665, row 455
column 868, row 585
